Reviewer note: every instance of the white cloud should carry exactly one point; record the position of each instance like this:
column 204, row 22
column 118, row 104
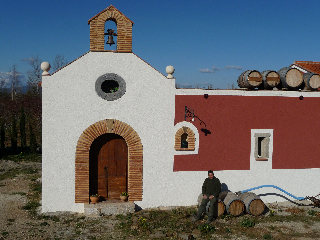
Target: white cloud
column 5, row 76
column 30, row 59
column 207, row 70
column 234, row 67
column 184, row 85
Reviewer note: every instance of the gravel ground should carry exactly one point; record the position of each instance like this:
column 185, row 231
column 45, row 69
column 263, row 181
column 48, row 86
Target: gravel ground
column 17, row 223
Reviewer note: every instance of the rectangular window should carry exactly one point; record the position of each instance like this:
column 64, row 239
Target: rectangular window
column 261, row 151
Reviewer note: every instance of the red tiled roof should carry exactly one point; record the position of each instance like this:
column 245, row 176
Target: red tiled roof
column 309, row 66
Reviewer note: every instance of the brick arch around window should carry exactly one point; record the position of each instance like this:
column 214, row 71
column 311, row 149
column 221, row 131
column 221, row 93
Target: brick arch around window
column 135, row 158
column 190, row 139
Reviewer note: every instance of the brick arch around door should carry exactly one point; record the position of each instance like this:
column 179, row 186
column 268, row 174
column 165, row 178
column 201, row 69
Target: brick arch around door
column 135, row 158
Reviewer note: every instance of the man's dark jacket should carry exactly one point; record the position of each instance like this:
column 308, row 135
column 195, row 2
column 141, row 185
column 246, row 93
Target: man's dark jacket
column 211, row 187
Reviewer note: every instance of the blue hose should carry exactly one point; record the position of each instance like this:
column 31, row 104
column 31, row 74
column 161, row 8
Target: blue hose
column 298, row 198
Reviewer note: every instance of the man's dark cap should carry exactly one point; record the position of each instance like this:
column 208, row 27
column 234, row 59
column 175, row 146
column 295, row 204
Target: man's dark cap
column 210, row 171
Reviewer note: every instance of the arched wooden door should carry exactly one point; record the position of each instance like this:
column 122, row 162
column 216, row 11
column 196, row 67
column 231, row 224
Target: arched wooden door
column 108, row 166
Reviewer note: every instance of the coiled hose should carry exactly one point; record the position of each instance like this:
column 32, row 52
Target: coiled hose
column 250, row 189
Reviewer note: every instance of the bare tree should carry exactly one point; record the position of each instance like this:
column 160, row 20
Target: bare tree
column 14, row 77
column 34, row 75
column 59, row 62
column 2, row 84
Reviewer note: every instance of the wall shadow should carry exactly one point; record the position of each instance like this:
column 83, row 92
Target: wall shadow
column 224, row 187
column 284, row 197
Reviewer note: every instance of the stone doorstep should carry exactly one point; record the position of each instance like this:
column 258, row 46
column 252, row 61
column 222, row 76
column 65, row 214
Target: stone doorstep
column 109, row 208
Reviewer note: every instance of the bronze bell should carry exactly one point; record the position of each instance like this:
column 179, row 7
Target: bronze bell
column 110, row 40
column 110, row 33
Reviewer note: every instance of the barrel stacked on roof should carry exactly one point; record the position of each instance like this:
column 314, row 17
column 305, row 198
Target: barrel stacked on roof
column 250, row 79
column 291, row 78
column 270, row 79
column 286, row 78
column 311, row 81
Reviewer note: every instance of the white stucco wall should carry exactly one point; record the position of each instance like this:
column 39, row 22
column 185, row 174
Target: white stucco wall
column 299, row 182
column 70, row 105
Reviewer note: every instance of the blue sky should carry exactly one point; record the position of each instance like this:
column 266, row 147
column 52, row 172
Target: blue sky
column 207, row 42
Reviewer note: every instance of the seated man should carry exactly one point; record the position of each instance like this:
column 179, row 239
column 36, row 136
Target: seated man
column 210, row 190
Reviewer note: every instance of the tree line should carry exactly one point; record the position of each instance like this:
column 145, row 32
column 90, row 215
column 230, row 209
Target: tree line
column 20, row 123
column 12, row 84
column 20, row 113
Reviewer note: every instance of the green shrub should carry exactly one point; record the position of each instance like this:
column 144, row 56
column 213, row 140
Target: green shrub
column 143, row 223
column 33, row 140
column 19, row 193
column 14, row 134
column 28, row 157
column 23, row 129
column 267, row 236
column 37, row 188
column 227, row 217
column 272, row 213
column 312, row 212
column 32, row 205
column 2, row 137
column 247, row 223
column 44, row 224
column 206, row 228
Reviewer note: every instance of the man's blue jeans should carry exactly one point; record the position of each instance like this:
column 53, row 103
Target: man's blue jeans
column 203, row 205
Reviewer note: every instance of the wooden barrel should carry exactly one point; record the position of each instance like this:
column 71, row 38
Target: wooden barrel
column 249, row 79
column 223, row 195
column 311, row 80
column 233, row 204
column 254, row 205
column 291, row 78
column 270, row 79
column 219, row 208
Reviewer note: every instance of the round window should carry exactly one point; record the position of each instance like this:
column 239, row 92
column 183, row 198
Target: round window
column 110, row 86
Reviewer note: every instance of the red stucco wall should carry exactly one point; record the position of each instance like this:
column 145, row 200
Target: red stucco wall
column 230, row 119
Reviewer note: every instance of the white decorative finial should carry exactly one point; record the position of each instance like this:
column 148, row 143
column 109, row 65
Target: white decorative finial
column 170, row 71
column 45, row 66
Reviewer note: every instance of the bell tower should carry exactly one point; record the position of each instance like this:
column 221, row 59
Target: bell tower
column 97, row 30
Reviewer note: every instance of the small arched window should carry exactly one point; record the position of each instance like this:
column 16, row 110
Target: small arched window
column 184, row 140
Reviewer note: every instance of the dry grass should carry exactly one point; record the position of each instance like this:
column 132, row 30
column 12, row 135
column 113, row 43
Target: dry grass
column 279, row 223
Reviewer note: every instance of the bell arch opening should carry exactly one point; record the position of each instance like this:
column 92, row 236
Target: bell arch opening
column 97, row 30
column 110, row 34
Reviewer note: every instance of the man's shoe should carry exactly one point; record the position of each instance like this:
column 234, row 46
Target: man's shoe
column 194, row 218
